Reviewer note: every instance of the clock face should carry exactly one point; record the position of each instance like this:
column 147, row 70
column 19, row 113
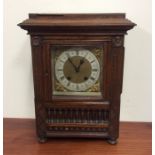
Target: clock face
column 76, row 70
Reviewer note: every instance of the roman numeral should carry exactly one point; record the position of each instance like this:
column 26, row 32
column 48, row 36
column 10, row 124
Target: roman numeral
column 62, row 77
column 62, row 61
column 85, row 55
column 67, row 54
column 92, row 61
column 77, row 87
column 92, row 78
column 94, row 70
column 59, row 69
column 68, row 83
column 77, row 52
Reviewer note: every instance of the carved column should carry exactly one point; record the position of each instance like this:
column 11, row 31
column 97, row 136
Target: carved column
column 117, row 57
column 40, row 111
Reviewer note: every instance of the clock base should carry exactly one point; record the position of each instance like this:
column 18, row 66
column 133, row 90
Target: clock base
column 112, row 141
column 42, row 139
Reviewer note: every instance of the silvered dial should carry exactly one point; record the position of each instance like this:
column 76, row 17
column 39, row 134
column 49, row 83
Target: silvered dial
column 77, row 70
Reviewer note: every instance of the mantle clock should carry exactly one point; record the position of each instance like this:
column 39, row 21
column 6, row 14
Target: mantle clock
column 78, row 72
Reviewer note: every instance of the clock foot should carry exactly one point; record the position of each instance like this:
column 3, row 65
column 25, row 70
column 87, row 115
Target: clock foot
column 112, row 141
column 42, row 139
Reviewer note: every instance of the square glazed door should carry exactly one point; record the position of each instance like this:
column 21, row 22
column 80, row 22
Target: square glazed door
column 76, row 70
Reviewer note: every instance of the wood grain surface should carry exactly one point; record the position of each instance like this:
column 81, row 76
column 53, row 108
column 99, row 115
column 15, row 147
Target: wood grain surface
column 20, row 139
column 76, row 20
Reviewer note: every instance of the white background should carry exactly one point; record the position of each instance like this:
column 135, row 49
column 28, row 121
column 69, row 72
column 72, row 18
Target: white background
column 18, row 84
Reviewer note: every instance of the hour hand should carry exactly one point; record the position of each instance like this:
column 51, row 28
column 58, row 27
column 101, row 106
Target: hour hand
column 81, row 62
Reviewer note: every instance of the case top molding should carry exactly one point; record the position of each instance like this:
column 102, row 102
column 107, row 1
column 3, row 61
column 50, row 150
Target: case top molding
column 77, row 23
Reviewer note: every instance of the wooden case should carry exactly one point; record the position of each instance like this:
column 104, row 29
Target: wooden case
column 77, row 116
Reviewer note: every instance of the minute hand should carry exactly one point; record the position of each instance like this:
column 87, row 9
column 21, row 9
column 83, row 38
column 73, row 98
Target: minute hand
column 76, row 69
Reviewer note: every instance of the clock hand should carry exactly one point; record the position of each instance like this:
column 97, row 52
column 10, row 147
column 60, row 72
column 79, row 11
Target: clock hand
column 76, row 69
column 81, row 62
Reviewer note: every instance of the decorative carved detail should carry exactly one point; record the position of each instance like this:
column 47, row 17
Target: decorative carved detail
column 75, row 129
column 95, row 87
column 117, row 41
column 80, row 115
column 89, row 120
column 59, row 87
column 97, row 52
column 36, row 41
column 41, row 120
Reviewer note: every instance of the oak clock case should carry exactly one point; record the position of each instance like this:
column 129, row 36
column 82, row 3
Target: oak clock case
column 78, row 73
